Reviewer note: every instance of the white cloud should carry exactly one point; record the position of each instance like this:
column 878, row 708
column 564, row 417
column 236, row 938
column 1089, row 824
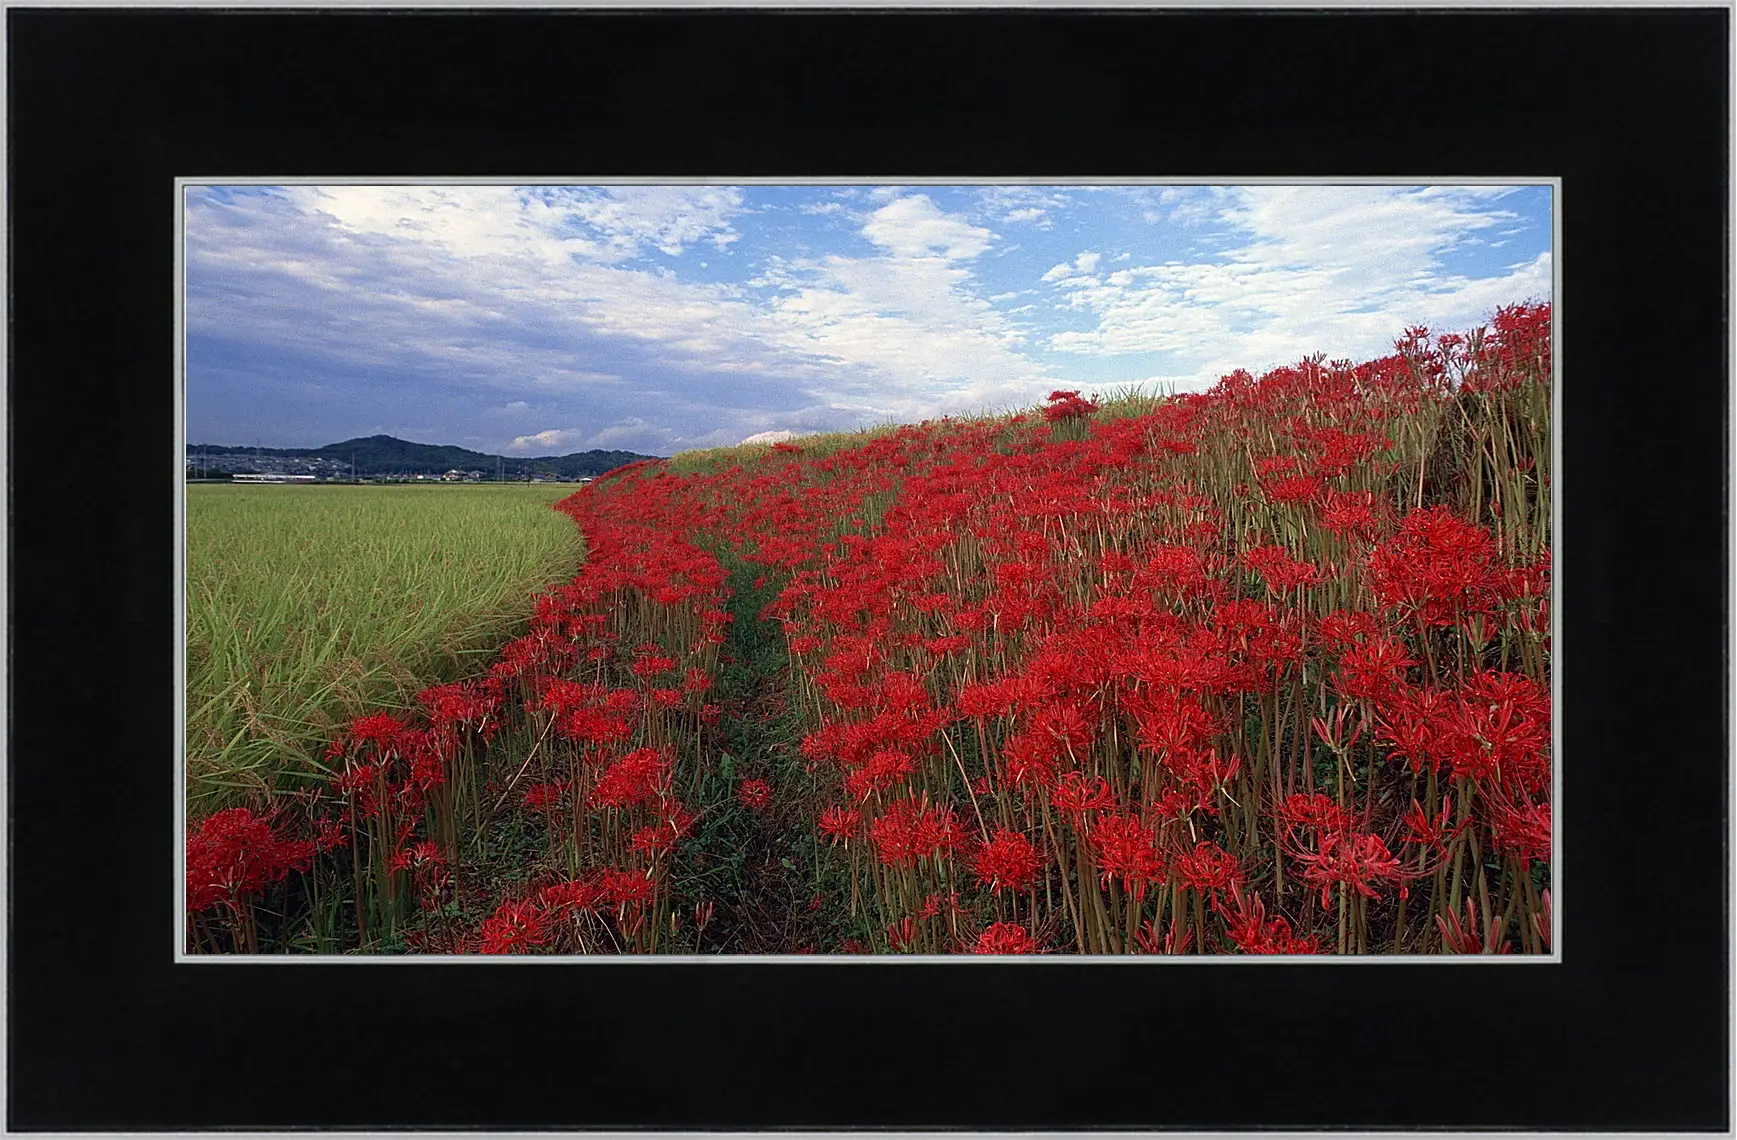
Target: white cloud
column 780, row 436
column 635, row 434
column 553, row 441
column 1023, row 205
column 550, row 223
column 1339, row 271
column 669, row 218
column 632, row 433
column 916, row 227
column 915, row 337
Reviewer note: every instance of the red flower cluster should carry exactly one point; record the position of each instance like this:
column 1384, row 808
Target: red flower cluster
column 1007, row 862
column 1067, row 406
column 234, row 854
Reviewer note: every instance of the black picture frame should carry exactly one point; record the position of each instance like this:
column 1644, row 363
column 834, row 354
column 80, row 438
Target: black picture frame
column 106, row 107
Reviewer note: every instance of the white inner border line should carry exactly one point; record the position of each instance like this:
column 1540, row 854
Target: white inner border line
column 181, row 957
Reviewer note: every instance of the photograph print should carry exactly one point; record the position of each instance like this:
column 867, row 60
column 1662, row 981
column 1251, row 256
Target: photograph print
column 1147, row 572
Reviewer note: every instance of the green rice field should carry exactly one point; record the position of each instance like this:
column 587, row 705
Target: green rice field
column 308, row 605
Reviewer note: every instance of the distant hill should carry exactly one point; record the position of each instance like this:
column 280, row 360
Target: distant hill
column 386, row 455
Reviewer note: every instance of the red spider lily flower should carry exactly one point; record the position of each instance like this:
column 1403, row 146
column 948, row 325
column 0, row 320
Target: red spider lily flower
column 1351, row 515
column 1415, row 724
column 1470, row 938
column 1114, row 562
column 673, row 824
column 1279, row 570
column 427, row 751
column 908, row 831
column 1030, row 760
column 1067, row 723
column 1542, row 922
column 885, row 769
column 1254, row 933
column 1438, row 565
column 329, row 835
column 640, row 775
column 1076, row 794
column 1208, row 772
column 1006, row 862
column 1521, row 830
column 428, row 871
column 1064, row 406
column 903, row 934
column 235, row 854
column 620, row 888
column 754, row 794
column 1429, row 831
column 1342, row 629
column 546, row 797
column 575, row 894
column 462, row 705
column 1005, row 938
column 1300, row 490
column 1125, row 848
column 1501, row 725
column 360, row 786
column 649, row 663
column 419, row 855
column 1208, row 868
column 381, row 729
column 1374, row 670
column 1172, row 806
column 654, row 841
column 840, row 824
column 1350, row 859
column 1315, row 811
column 1177, row 941
column 1334, row 735
column 515, row 928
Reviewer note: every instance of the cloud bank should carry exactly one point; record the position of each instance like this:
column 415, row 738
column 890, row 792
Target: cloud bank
column 535, row 320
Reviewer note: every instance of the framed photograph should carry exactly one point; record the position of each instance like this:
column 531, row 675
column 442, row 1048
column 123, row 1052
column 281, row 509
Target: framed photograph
column 873, row 648
column 1025, row 588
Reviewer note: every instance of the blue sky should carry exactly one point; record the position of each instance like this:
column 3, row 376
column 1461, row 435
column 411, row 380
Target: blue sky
column 542, row 320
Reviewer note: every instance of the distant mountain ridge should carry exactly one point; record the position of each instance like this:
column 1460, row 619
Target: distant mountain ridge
column 388, row 455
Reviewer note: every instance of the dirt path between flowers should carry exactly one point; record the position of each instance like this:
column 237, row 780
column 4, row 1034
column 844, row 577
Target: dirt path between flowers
column 755, row 859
